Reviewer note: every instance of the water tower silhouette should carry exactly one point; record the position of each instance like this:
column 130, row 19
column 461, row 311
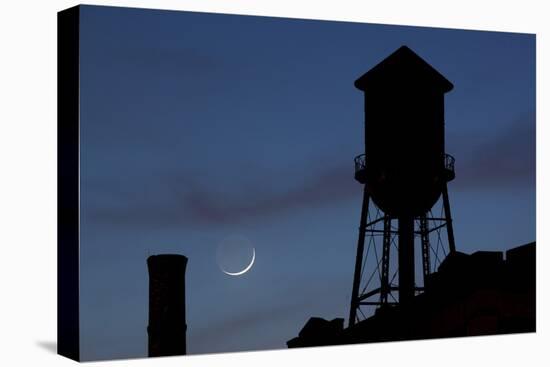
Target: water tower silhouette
column 404, row 171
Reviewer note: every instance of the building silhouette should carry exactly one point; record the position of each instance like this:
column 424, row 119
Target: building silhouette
column 485, row 293
column 167, row 323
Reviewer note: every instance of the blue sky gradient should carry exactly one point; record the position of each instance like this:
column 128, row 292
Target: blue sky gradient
column 195, row 127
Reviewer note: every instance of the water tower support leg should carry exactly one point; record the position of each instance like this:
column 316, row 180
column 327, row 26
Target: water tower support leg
column 425, row 236
column 359, row 258
column 406, row 258
column 385, row 285
column 449, row 219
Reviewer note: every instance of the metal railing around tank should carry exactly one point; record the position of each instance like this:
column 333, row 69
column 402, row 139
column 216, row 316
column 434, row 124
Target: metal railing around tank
column 360, row 162
column 448, row 163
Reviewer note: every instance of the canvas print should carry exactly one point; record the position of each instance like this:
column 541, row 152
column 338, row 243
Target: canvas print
column 238, row 183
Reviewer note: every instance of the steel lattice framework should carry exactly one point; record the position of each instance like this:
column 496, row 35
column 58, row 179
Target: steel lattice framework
column 376, row 278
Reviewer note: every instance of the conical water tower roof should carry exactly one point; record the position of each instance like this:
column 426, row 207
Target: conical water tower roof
column 403, row 68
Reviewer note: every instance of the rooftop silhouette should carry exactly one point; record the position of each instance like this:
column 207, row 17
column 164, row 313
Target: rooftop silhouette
column 469, row 295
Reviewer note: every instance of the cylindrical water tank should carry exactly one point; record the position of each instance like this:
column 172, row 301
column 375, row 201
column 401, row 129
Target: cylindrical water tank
column 404, row 133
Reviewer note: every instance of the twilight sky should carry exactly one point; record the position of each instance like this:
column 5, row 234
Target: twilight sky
column 200, row 127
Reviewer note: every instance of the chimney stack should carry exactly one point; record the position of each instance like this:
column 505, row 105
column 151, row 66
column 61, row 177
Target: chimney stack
column 167, row 325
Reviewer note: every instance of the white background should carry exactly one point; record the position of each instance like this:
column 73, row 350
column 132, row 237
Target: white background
column 28, row 181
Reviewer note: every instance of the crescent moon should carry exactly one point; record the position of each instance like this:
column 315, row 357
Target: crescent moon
column 245, row 269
